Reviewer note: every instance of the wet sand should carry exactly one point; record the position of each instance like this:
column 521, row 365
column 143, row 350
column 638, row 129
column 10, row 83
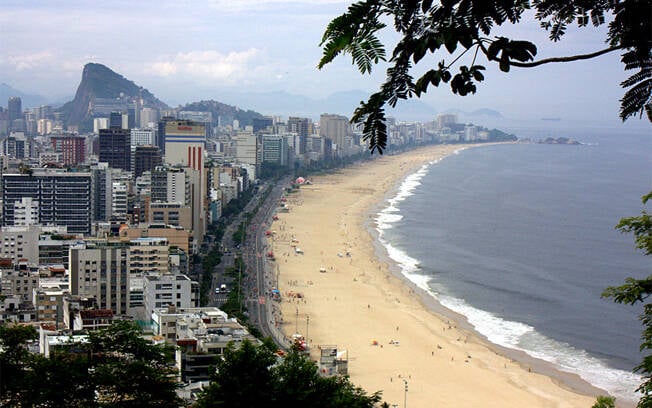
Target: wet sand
column 353, row 297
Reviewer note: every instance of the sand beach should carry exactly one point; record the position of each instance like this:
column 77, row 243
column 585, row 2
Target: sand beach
column 352, row 297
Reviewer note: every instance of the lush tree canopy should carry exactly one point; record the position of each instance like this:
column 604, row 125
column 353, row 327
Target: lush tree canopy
column 116, row 367
column 253, row 376
column 638, row 291
column 449, row 29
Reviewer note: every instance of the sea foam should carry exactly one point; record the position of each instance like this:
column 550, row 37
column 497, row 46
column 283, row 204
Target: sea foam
column 510, row 334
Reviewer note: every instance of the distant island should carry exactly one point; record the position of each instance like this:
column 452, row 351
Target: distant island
column 555, row 119
column 559, row 140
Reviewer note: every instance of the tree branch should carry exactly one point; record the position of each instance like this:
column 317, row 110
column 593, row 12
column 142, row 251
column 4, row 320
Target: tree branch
column 553, row 59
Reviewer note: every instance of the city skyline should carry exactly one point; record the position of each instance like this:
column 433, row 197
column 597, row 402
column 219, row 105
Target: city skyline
column 184, row 52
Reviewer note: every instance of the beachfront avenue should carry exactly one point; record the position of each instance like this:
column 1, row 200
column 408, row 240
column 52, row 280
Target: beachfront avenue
column 260, row 277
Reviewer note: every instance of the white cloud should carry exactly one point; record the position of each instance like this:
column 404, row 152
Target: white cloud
column 31, row 61
column 250, row 6
column 208, row 65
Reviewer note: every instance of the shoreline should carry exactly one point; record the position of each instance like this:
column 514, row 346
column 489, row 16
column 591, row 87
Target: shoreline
column 388, row 280
column 570, row 381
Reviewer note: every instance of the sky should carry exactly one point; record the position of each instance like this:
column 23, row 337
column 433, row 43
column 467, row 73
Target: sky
column 184, row 51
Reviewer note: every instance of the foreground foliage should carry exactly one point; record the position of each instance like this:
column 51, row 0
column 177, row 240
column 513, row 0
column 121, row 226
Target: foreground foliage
column 116, row 367
column 253, row 376
column 638, row 291
column 449, row 29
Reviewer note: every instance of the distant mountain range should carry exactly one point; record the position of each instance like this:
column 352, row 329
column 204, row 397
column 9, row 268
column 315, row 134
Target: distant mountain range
column 102, row 90
column 226, row 113
column 342, row 103
column 479, row 114
column 28, row 101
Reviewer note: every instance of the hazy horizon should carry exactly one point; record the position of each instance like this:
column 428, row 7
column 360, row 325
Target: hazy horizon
column 189, row 51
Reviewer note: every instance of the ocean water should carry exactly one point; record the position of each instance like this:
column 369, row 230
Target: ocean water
column 520, row 240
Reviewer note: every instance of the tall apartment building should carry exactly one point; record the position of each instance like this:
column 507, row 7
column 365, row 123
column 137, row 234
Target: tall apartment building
column 63, row 198
column 16, row 145
column 262, row 123
column 72, row 148
column 21, row 243
column 247, row 151
column 148, row 117
column 101, row 272
column 148, row 256
column 170, row 213
column 185, row 142
column 141, row 137
column 168, row 290
column 44, row 126
column 20, row 281
column 302, row 127
column 171, row 184
column 18, row 243
column 334, row 127
column 48, row 302
column 15, row 109
column 55, row 250
column 100, row 123
column 176, row 236
column 146, row 158
column 159, row 185
column 118, row 120
column 26, row 212
column 115, row 148
column 275, row 149
column 162, row 124
column 446, row 120
column 119, row 200
column 102, row 183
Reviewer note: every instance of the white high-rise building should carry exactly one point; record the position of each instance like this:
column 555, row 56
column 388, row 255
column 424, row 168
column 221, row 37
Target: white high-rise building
column 247, row 152
column 26, row 212
column 178, row 187
column 119, row 196
column 22, row 243
column 148, row 117
column 148, row 256
column 101, row 272
column 185, row 145
column 168, row 290
column 142, row 137
column 99, row 124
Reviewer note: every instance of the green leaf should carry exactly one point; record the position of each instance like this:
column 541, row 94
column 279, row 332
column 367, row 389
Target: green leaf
column 504, row 62
column 451, row 46
column 522, row 50
column 419, row 51
column 496, row 46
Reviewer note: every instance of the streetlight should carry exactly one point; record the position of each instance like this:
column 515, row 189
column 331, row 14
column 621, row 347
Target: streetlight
column 307, row 323
column 405, row 394
column 297, row 320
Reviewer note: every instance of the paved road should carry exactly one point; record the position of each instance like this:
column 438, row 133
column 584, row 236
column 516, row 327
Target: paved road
column 229, row 249
column 261, row 273
column 260, row 276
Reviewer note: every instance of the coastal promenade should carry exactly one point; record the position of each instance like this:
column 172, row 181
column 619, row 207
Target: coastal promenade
column 341, row 289
column 260, row 277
